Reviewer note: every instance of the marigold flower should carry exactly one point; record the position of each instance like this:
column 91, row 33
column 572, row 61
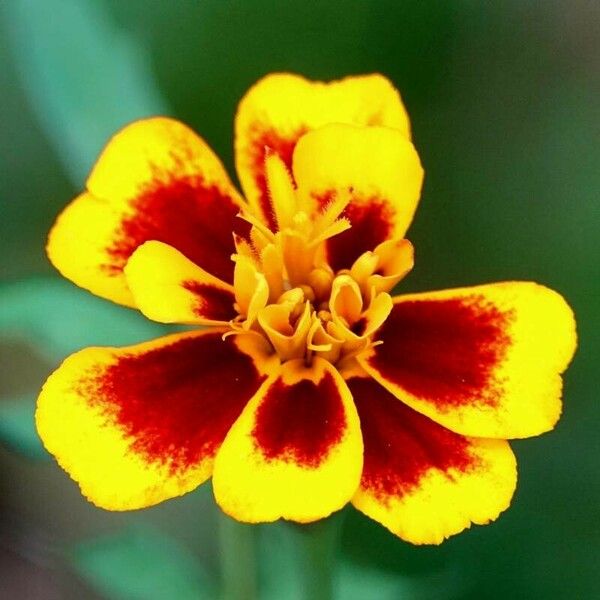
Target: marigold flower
column 313, row 386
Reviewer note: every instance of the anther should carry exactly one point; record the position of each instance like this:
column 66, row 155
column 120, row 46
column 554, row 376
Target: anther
column 320, row 280
column 308, row 292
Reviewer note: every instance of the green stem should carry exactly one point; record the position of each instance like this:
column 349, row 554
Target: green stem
column 318, row 544
column 238, row 559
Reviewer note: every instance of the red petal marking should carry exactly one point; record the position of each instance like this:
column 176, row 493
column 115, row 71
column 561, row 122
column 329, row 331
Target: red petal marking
column 401, row 445
column 444, row 351
column 301, row 422
column 196, row 219
column 284, row 147
column 359, row 327
column 176, row 403
column 372, row 223
column 212, row 302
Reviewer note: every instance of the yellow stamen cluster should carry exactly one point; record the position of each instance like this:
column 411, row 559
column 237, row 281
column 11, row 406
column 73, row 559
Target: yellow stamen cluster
column 286, row 291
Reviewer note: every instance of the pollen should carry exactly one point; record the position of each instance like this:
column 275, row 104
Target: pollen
column 286, row 290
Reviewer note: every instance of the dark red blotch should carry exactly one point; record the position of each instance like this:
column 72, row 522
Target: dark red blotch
column 372, row 222
column 359, row 327
column 444, row 351
column 177, row 403
column 212, row 302
column 401, row 445
column 300, row 423
column 196, row 219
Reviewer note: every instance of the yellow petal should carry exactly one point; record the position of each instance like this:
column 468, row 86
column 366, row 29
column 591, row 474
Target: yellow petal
column 395, row 258
column 251, row 289
column 296, row 450
column 364, row 266
column 374, row 316
column 272, row 267
column 155, row 180
column 169, row 288
column 483, row 361
column 281, row 190
column 375, row 168
column 420, row 480
column 288, row 340
column 298, row 257
column 281, row 107
column 323, row 343
column 138, row 425
column 345, row 303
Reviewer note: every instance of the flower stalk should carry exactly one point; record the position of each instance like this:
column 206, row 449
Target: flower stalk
column 318, row 545
column 238, row 559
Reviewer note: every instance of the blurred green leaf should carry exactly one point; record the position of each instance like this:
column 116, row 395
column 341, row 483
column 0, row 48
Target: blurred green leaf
column 359, row 583
column 17, row 428
column 58, row 318
column 83, row 76
column 141, row 563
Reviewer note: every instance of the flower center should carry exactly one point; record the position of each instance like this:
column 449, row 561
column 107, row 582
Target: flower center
column 286, row 291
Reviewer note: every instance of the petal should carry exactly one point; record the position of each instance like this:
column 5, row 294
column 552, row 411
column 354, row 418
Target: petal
column 296, row 450
column 345, row 303
column 169, row 288
column 378, row 169
column 251, row 289
column 395, row 259
column 289, row 341
column 155, row 180
column 420, row 480
column 281, row 107
column 483, row 361
column 138, row 425
column 281, row 191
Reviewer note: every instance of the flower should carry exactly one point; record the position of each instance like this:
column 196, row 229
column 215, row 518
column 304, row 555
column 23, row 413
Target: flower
column 312, row 386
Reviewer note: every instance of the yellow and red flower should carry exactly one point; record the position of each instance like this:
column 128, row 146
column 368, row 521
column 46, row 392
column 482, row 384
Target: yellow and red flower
column 313, row 386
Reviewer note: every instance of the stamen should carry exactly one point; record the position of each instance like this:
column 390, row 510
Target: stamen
column 256, row 222
column 320, row 281
column 281, row 189
column 309, row 341
column 335, row 228
column 287, row 293
column 332, row 210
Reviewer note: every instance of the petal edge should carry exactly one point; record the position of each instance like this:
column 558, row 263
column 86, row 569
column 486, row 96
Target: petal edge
column 135, row 426
column 272, row 465
column 421, row 481
column 482, row 361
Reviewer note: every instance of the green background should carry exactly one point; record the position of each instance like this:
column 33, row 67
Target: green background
column 503, row 99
